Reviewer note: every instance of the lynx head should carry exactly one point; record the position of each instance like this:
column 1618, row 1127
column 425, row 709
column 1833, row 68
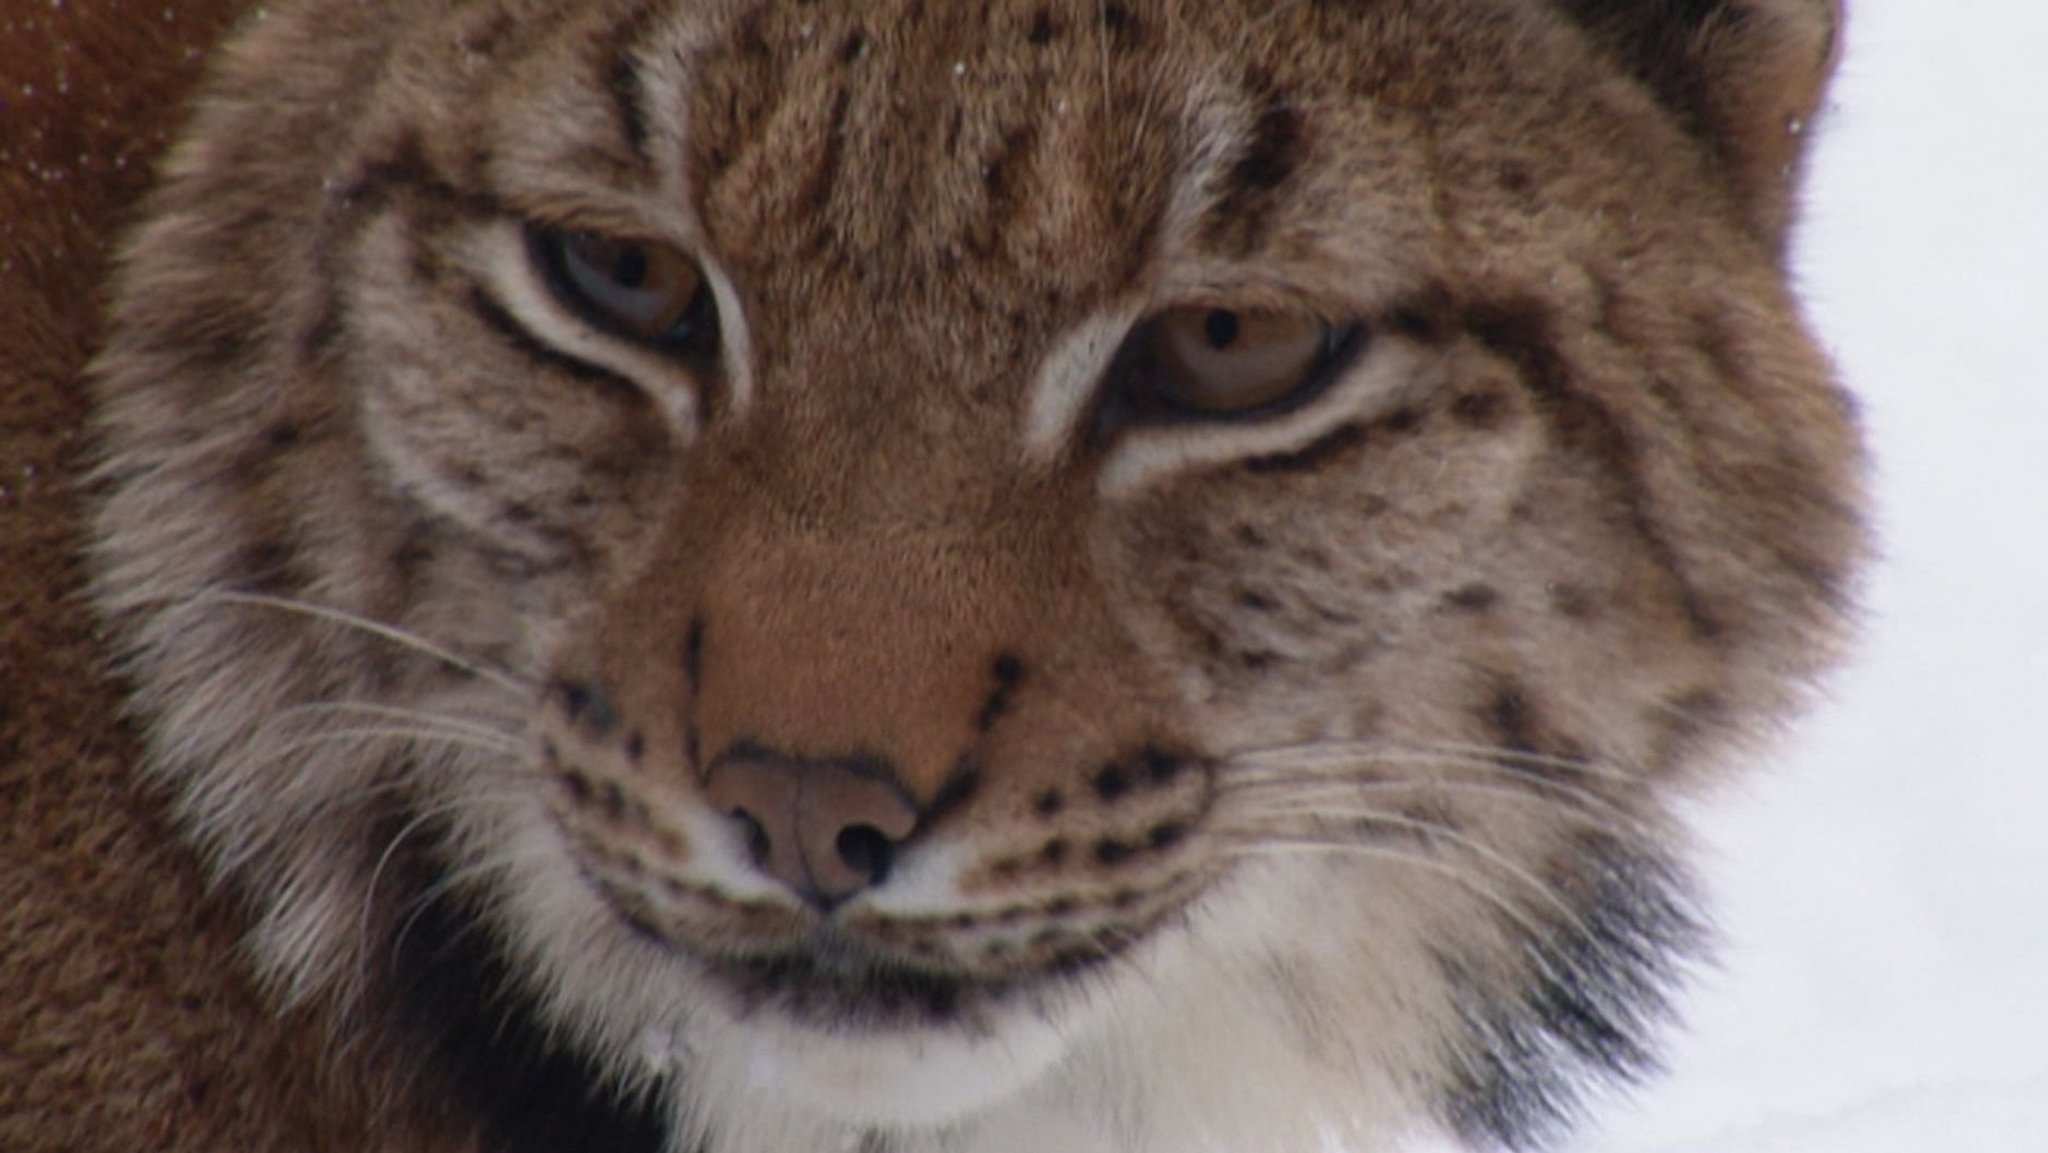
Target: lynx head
column 1019, row 575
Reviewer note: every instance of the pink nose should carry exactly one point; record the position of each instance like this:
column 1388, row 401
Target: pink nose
column 825, row 828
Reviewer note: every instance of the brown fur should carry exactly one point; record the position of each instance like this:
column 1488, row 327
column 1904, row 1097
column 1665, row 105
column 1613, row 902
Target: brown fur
column 1606, row 528
column 128, row 1021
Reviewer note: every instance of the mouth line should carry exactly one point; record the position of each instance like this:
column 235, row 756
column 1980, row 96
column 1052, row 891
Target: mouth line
column 841, row 984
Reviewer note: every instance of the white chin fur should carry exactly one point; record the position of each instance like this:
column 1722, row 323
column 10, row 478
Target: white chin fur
column 879, row 1078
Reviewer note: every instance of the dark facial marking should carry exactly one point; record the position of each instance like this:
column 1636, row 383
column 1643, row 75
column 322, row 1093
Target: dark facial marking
column 1042, row 30
column 1482, row 411
column 1269, row 157
column 1471, row 598
column 1522, row 332
column 622, row 81
column 1112, row 782
column 1008, row 671
column 1593, row 994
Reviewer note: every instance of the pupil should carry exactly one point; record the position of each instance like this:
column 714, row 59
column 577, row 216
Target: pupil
column 631, row 270
column 1220, row 326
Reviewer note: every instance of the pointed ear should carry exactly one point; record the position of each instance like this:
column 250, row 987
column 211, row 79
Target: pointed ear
column 1745, row 76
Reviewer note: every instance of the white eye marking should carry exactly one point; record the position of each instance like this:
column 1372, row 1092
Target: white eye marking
column 1068, row 380
column 1375, row 383
column 498, row 255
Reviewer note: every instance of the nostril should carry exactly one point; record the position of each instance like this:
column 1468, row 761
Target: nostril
column 866, row 850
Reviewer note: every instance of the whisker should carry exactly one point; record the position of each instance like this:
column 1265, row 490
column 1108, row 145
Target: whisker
column 1429, row 833
column 1266, row 845
column 418, row 734
column 374, row 628
column 400, row 713
column 1331, row 781
column 1482, row 755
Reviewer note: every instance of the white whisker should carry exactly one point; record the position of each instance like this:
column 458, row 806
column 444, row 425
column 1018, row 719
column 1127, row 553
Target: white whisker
column 397, row 636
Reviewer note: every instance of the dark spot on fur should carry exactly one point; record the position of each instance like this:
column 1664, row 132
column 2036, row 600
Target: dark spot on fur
column 589, row 707
column 636, row 747
column 1061, row 907
column 267, row 566
column 815, row 199
column 693, row 653
column 1471, row 598
column 1483, row 411
column 1402, row 420
column 579, row 786
column 1112, row 782
column 282, row 436
column 1317, row 452
column 960, row 788
column 1427, row 317
column 1122, row 24
column 1572, row 601
column 1166, row 836
column 1042, row 30
column 622, row 82
column 1000, row 181
column 1054, row 853
column 1048, row 803
column 1266, row 161
column 1112, row 852
column 1512, row 719
column 1257, row 602
column 1007, row 671
column 850, row 49
column 1161, row 767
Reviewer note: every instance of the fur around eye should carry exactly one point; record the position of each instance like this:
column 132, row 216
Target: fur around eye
column 639, row 290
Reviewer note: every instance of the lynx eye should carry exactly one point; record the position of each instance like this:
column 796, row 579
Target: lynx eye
column 1225, row 364
column 639, row 290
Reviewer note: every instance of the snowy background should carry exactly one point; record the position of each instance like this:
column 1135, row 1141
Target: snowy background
column 1882, row 886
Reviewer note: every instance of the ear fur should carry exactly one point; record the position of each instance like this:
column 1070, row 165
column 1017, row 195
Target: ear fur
column 1744, row 76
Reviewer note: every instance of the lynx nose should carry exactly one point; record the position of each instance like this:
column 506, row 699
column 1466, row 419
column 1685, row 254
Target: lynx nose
column 825, row 828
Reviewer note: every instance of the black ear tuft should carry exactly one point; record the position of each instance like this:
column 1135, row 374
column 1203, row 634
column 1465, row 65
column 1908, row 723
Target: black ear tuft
column 1745, row 76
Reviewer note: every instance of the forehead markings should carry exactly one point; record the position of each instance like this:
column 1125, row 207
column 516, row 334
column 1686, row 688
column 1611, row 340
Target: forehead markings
column 650, row 66
column 1216, row 129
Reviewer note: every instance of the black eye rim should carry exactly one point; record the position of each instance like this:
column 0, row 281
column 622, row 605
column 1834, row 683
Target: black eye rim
column 1131, row 396
column 695, row 336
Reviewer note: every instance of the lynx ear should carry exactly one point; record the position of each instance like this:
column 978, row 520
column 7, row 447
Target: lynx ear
column 1745, row 76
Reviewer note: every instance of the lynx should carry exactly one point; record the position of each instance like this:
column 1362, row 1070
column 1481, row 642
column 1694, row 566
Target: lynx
column 1084, row 575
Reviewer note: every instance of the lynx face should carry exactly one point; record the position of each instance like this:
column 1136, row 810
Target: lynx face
column 981, row 576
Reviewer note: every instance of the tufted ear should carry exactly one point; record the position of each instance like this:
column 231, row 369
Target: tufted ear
column 1745, row 76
